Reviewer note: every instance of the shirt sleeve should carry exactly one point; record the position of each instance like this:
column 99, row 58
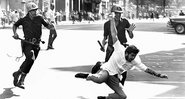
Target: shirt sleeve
column 44, row 22
column 127, row 23
column 139, row 64
column 19, row 22
column 106, row 29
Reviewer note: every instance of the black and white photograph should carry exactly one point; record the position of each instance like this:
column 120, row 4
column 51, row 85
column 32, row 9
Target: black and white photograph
column 92, row 49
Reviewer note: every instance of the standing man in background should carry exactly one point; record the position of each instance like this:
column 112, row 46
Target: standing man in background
column 53, row 34
column 122, row 25
column 32, row 29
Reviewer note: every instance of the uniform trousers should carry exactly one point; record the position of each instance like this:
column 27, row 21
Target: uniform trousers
column 31, row 52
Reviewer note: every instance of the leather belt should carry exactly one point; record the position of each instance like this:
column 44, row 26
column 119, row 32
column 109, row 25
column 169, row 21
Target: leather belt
column 33, row 40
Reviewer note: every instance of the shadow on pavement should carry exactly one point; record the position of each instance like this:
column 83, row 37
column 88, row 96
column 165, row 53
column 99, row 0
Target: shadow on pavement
column 85, row 68
column 170, row 62
column 81, row 97
column 8, row 93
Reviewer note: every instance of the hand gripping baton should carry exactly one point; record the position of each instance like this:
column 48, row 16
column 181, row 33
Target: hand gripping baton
column 101, row 47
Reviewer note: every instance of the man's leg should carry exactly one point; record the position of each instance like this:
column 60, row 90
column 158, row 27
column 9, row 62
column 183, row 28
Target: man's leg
column 21, row 81
column 31, row 55
column 99, row 77
column 114, row 84
column 16, row 75
column 52, row 37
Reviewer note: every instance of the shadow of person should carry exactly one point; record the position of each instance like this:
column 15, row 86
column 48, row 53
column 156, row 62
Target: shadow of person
column 81, row 97
column 8, row 93
column 84, row 68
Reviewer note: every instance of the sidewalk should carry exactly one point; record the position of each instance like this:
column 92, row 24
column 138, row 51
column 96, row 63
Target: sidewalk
column 161, row 20
column 82, row 22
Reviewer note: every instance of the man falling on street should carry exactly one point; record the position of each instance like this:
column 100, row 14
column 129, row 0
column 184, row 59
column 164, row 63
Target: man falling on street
column 121, row 60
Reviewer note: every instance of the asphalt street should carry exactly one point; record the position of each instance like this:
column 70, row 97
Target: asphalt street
column 77, row 50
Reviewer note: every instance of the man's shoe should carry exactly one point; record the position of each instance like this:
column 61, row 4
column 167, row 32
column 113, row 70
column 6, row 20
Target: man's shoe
column 101, row 97
column 81, row 75
column 20, row 85
column 50, row 47
column 21, row 81
column 96, row 67
column 16, row 77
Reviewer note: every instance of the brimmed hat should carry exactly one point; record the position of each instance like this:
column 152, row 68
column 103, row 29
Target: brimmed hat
column 116, row 9
column 31, row 6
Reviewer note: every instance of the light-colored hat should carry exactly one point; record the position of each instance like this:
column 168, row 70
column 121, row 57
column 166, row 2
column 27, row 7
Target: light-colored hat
column 31, row 6
column 116, row 9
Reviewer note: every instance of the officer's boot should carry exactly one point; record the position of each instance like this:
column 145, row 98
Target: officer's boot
column 16, row 77
column 21, row 81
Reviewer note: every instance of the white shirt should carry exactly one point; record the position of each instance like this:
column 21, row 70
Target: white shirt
column 52, row 16
column 117, row 63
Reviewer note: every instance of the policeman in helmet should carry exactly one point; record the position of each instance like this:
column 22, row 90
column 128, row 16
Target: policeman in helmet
column 122, row 25
column 32, row 29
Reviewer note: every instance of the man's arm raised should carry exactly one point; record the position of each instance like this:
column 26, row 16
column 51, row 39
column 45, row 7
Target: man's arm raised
column 113, row 30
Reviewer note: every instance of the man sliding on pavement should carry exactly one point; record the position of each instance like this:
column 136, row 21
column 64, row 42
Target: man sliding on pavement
column 32, row 28
column 123, row 26
column 121, row 60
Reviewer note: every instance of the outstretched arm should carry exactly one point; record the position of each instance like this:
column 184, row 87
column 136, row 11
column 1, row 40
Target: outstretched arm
column 152, row 72
column 130, row 30
column 50, row 26
column 113, row 30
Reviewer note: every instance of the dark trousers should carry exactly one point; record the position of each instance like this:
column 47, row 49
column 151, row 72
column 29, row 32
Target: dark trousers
column 52, row 36
column 31, row 52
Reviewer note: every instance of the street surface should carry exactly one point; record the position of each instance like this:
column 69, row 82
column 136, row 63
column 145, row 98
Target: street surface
column 76, row 50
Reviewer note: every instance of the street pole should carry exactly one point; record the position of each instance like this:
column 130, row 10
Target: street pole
column 164, row 4
column 67, row 10
column 24, row 8
column 137, row 9
column 124, row 4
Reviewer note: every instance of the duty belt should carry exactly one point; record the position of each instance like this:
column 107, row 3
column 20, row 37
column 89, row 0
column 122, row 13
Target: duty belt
column 33, row 40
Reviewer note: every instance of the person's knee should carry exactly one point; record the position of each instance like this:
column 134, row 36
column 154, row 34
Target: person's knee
column 100, row 77
column 31, row 56
column 96, row 78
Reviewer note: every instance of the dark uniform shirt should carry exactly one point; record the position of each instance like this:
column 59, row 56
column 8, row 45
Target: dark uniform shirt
column 32, row 28
column 123, row 23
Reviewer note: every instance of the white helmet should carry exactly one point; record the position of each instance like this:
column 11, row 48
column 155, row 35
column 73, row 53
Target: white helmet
column 31, row 6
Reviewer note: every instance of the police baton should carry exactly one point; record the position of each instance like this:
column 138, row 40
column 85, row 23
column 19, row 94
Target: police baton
column 101, row 46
